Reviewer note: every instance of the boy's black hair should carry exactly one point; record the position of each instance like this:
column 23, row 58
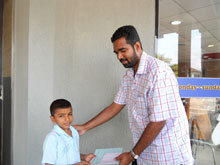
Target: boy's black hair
column 130, row 34
column 59, row 103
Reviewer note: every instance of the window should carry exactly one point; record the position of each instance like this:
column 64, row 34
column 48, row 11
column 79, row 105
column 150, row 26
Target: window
column 189, row 41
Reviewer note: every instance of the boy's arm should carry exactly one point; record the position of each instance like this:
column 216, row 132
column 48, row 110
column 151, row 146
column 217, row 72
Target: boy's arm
column 106, row 114
column 87, row 157
column 83, row 163
column 80, row 163
column 49, row 150
column 83, row 157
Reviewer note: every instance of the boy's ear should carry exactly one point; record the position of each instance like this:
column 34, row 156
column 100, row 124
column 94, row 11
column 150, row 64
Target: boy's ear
column 52, row 118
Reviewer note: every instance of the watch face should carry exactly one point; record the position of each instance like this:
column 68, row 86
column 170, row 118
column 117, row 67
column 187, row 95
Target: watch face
column 136, row 156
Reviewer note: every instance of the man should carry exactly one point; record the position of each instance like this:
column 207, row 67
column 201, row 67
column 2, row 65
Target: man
column 156, row 115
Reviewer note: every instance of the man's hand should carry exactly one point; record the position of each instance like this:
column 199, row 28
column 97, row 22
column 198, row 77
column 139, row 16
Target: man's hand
column 125, row 158
column 104, row 116
column 81, row 129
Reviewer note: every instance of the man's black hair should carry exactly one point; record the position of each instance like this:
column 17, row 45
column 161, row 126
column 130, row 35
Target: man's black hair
column 130, row 34
column 59, row 103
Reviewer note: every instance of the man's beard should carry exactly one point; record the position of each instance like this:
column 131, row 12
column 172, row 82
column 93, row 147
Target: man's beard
column 132, row 63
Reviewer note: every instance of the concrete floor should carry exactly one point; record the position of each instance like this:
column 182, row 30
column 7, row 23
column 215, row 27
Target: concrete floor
column 204, row 155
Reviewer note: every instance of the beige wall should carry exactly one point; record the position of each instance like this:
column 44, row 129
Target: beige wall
column 67, row 45
column 20, row 82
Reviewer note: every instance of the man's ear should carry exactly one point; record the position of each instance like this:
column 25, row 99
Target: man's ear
column 137, row 47
column 52, row 119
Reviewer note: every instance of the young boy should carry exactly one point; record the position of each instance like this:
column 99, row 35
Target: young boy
column 61, row 146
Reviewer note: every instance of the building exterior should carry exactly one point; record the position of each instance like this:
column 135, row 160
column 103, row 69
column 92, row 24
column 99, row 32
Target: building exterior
column 61, row 49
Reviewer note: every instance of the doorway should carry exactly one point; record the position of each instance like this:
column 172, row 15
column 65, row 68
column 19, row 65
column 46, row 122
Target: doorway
column 5, row 80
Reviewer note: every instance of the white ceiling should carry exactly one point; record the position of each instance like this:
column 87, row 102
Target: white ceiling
column 195, row 4
column 194, row 14
column 206, row 13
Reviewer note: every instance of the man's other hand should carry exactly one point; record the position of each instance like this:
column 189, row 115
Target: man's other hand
column 124, row 158
column 81, row 129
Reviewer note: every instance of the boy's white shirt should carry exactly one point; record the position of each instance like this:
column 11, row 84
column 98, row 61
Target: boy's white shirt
column 61, row 149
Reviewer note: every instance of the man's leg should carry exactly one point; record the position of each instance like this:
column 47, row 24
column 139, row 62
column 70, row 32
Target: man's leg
column 134, row 162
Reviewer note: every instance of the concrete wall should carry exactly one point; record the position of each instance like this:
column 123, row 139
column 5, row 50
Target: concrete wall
column 70, row 56
column 20, row 118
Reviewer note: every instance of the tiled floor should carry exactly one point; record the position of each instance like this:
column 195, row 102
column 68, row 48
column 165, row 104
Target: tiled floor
column 204, row 155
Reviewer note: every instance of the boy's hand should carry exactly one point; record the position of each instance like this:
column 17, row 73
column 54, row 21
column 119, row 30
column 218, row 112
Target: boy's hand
column 83, row 163
column 81, row 129
column 89, row 157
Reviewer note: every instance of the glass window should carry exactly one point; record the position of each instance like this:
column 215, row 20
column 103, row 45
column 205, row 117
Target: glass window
column 189, row 41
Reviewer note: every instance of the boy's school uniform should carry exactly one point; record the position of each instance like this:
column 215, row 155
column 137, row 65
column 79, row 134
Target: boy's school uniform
column 61, row 149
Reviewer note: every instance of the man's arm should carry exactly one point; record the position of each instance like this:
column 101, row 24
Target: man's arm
column 148, row 136
column 104, row 116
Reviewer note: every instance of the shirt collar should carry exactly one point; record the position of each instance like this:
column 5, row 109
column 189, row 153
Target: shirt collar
column 143, row 64
column 141, row 68
column 60, row 130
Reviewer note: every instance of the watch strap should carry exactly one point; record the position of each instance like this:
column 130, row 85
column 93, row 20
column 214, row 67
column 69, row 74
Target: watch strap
column 134, row 155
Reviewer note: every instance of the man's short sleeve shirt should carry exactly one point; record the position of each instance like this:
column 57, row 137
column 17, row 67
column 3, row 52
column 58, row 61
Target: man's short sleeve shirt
column 152, row 95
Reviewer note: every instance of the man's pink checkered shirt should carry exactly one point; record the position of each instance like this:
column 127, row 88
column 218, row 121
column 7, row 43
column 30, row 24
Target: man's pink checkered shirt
column 152, row 96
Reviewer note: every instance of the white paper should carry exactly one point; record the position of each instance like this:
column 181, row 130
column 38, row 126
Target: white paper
column 109, row 158
column 106, row 156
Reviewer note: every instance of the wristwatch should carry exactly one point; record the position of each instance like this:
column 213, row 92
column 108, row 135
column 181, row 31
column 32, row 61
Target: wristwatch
column 134, row 155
